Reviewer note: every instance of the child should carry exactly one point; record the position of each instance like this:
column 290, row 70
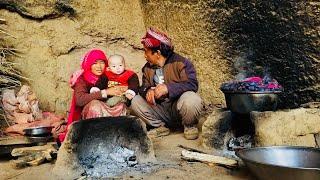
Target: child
column 117, row 76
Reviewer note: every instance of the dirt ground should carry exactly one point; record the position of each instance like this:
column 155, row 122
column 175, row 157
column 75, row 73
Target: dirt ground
column 167, row 152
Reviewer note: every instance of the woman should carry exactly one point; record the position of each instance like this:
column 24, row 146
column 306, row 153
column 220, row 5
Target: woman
column 85, row 105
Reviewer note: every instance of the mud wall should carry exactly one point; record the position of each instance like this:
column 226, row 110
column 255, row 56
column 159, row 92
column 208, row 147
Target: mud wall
column 53, row 36
column 187, row 24
column 279, row 38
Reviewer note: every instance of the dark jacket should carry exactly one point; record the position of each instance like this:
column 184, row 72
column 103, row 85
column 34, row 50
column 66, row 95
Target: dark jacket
column 82, row 94
column 179, row 76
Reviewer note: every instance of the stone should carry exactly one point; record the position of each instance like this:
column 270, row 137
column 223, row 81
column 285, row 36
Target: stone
column 295, row 127
column 216, row 130
column 317, row 137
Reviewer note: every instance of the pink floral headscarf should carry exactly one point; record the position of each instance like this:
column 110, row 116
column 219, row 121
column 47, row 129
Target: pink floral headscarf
column 88, row 60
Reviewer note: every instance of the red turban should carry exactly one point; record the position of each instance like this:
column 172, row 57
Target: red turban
column 154, row 38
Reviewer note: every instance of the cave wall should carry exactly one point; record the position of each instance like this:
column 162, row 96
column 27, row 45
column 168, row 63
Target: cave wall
column 223, row 38
column 186, row 22
column 278, row 38
column 52, row 37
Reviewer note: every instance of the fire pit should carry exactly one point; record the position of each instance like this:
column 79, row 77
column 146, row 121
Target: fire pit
column 104, row 147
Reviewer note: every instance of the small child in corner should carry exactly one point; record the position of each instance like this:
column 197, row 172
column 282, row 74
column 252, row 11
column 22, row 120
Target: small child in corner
column 117, row 76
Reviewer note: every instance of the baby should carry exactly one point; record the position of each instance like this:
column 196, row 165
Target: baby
column 117, row 76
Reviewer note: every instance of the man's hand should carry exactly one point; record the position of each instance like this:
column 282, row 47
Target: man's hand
column 160, row 90
column 150, row 96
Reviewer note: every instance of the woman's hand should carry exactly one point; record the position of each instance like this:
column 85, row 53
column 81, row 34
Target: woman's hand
column 114, row 91
column 123, row 89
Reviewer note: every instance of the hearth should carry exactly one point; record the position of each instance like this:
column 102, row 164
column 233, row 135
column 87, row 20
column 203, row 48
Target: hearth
column 105, row 147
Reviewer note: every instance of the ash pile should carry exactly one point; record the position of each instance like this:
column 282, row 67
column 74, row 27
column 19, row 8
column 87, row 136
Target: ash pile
column 99, row 163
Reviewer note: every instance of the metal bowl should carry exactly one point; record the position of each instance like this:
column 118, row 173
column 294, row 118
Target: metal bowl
column 38, row 131
column 245, row 102
column 282, row 162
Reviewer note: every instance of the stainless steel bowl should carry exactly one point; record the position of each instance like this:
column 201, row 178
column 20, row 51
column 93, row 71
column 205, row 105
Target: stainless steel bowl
column 282, row 162
column 245, row 102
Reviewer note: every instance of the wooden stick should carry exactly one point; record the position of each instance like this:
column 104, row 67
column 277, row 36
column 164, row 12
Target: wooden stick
column 207, row 158
column 190, row 149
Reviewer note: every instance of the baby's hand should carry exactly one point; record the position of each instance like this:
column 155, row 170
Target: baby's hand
column 130, row 94
column 94, row 89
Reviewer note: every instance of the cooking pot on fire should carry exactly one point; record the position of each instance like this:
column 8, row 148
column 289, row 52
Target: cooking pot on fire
column 245, row 102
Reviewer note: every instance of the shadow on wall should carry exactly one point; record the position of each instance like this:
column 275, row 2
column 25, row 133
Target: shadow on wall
column 275, row 37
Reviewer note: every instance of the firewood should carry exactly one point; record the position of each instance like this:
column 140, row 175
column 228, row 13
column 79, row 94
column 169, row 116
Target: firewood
column 38, row 159
column 207, row 158
column 34, row 158
column 47, row 155
column 190, row 149
column 49, row 148
column 18, row 164
column 21, row 162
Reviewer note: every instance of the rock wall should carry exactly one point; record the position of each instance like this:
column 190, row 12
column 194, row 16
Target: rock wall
column 278, row 38
column 217, row 130
column 254, row 37
column 186, row 22
column 297, row 127
column 54, row 35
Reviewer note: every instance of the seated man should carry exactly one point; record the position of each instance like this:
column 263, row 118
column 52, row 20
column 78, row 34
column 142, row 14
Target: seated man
column 168, row 95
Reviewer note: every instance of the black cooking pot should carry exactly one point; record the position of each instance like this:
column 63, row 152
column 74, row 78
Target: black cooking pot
column 39, row 131
column 245, row 102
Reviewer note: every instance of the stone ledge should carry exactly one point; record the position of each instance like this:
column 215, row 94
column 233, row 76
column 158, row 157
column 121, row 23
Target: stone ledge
column 295, row 127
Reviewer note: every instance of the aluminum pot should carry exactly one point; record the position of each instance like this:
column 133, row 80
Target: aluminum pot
column 245, row 102
column 282, row 162
column 38, row 131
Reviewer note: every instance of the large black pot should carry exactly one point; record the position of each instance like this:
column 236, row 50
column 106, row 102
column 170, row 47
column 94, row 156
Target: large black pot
column 245, row 102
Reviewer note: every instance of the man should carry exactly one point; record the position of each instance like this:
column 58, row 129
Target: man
column 168, row 95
